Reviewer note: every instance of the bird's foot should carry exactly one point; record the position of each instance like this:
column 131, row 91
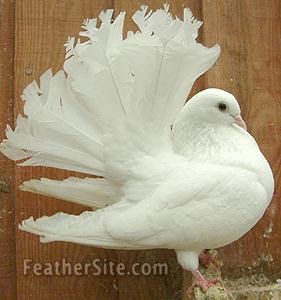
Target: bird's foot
column 206, row 259
column 201, row 282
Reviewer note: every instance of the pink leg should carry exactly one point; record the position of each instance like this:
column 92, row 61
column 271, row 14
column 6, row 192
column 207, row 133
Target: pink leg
column 202, row 282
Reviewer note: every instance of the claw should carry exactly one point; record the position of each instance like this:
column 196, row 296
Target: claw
column 202, row 282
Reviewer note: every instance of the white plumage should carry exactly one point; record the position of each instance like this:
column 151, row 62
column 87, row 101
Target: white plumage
column 199, row 186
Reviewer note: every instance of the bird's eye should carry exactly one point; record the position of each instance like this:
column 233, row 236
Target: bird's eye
column 222, row 107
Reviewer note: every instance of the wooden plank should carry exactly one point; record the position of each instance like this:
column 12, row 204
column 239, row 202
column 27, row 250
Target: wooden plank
column 7, row 231
column 42, row 27
column 249, row 33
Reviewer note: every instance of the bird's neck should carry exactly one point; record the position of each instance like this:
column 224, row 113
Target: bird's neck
column 198, row 140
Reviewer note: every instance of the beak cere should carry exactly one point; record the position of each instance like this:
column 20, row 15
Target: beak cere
column 240, row 122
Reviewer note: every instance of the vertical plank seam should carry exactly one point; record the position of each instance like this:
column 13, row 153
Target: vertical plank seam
column 14, row 167
column 202, row 6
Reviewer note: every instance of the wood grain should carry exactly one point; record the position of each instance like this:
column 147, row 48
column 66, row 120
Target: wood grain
column 249, row 33
column 7, row 176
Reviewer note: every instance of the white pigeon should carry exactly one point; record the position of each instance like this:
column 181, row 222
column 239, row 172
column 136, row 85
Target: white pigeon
column 184, row 177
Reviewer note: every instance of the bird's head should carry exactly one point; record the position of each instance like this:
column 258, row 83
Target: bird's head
column 215, row 106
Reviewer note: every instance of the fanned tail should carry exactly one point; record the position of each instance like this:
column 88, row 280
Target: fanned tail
column 115, row 104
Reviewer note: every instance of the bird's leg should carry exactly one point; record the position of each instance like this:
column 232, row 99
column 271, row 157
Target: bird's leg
column 206, row 259
column 202, row 282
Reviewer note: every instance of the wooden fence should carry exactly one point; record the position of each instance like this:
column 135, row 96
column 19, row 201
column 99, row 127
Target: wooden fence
column 32, row 34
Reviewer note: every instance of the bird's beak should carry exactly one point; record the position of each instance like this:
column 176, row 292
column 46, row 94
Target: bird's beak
column 240, row 122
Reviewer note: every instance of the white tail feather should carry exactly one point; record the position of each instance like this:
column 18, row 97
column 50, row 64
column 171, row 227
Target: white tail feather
column 85, row 229
column 90, row 192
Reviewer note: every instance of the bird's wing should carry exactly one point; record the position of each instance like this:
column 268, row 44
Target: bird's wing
column 116, row 99
column 185, row 208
